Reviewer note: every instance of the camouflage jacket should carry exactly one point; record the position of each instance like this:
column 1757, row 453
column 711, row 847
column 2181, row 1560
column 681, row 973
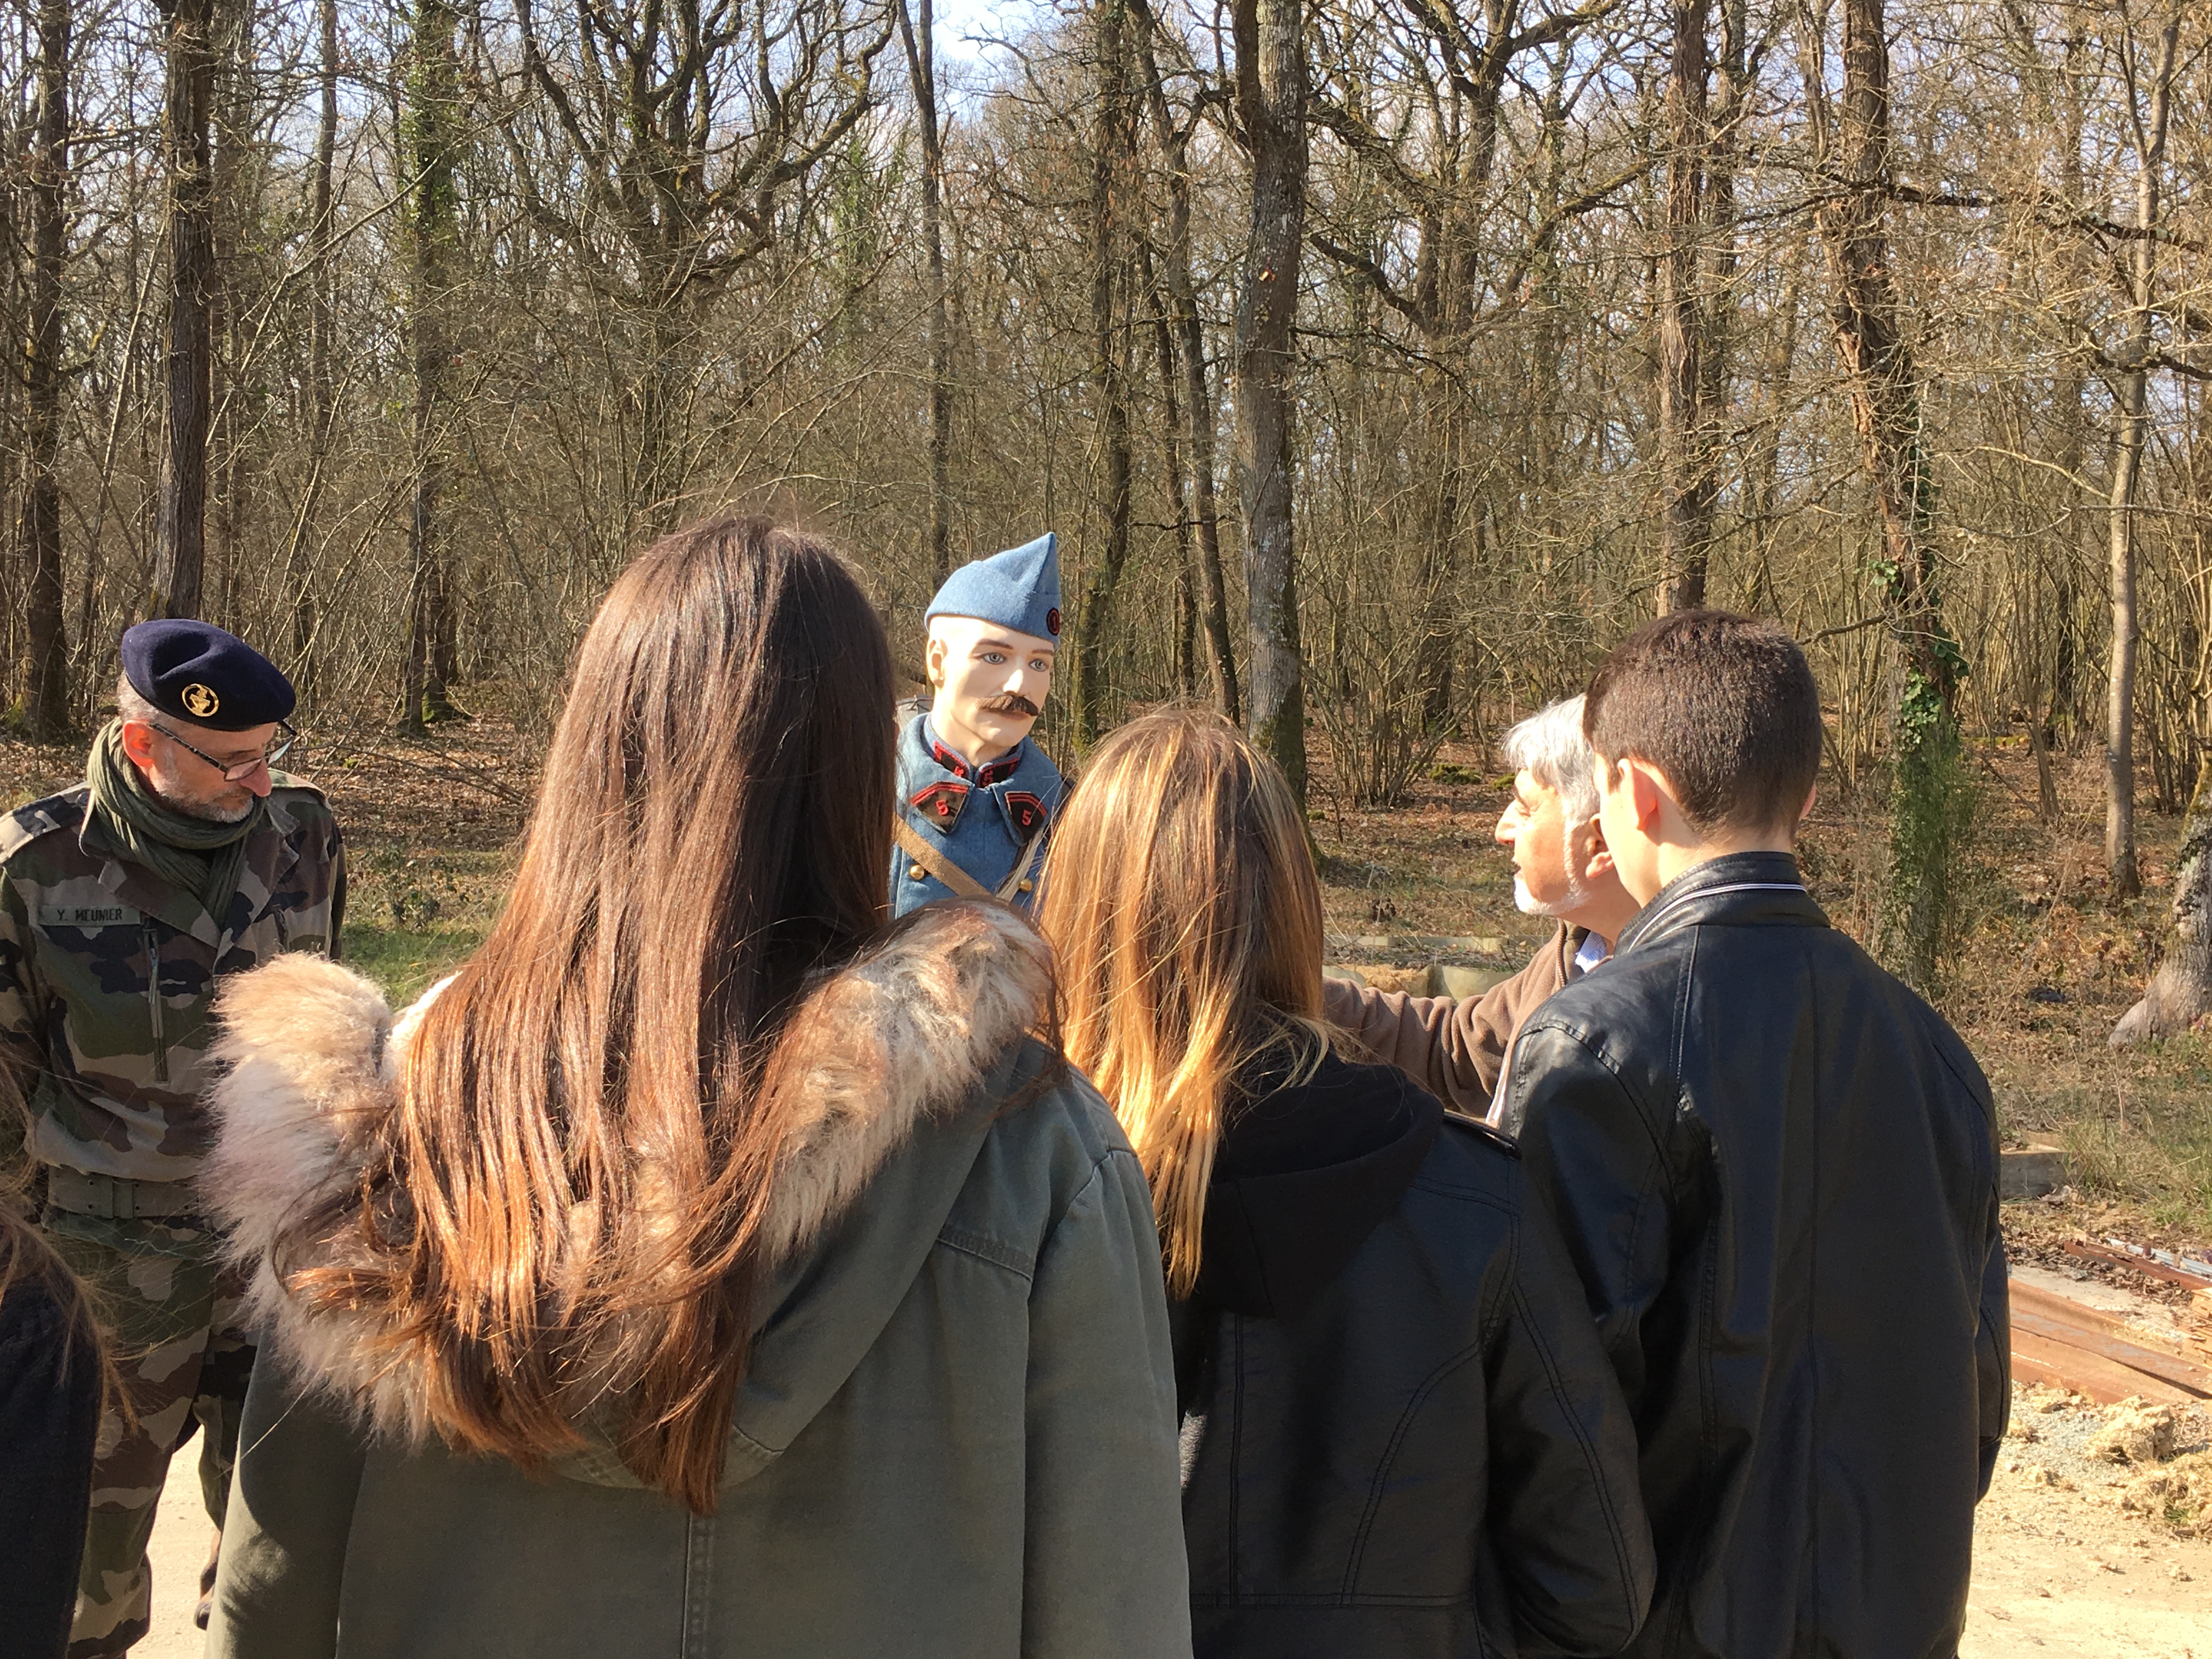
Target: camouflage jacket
column 108, row 974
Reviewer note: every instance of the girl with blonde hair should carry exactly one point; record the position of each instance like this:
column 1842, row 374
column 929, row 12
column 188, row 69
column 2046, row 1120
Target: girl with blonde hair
column 1399, row 1435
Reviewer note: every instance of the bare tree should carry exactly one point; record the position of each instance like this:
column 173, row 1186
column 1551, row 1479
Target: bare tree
column 2181, row 990
column 918, row 34
column 1687, row 484
column 180, row 524
column 1173, row 139
column 298, row 581
column 1884, row 392
column 1271, row 113
column 1110, row 155
column 45, row 697
column 2149, row 143
column 688, row 123
column 434, row 124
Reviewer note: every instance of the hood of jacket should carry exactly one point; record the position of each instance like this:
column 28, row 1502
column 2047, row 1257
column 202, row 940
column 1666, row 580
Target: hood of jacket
column 910, row 1048
column 1304, row 1172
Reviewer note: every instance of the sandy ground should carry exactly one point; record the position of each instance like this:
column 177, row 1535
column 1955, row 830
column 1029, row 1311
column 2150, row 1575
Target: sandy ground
column 180, row 1541
column 2058, row 1574
column 2059, row 1570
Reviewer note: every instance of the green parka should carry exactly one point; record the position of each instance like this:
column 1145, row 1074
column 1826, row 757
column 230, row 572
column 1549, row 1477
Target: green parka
column 955, row 1438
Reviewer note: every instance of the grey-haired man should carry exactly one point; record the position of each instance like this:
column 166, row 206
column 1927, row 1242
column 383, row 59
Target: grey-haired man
column 1455, row 1046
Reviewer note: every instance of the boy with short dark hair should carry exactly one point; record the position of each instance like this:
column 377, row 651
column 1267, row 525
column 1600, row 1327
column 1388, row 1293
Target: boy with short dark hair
column 1775, row 1168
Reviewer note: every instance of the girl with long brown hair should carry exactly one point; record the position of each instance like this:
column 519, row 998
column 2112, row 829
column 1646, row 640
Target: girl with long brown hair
column 1401, row 1436
column 708, row 1267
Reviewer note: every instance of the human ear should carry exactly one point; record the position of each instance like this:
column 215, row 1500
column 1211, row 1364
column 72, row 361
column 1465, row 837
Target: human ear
column 1805, row 811
column 1645, row 795
column 1598, row 863
column 933, row 659
column 138, row 744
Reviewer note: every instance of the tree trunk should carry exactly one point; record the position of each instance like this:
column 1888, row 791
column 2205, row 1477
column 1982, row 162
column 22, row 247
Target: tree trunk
column 322, row 393
column 2127, row 467
column 921, row 64
column 1271, row 98
column 180, row 513
column 1927, row 793
column 45, row 695
column 2180, row 992
column 1110, row 134
column 231, row 149
column 2071, row 689
column 1686, row 482
column 1186, row 631
column 1198, row 396
column 433, row 120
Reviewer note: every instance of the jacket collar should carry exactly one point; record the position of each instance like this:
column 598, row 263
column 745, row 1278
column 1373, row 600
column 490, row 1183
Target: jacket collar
column 1742, row 888
column 952, row 761
column 270, row 853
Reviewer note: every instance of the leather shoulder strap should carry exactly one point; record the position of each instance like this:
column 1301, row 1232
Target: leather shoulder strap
column 1014, row 883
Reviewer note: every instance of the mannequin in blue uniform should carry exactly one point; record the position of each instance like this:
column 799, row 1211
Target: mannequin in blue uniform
column 976, row 797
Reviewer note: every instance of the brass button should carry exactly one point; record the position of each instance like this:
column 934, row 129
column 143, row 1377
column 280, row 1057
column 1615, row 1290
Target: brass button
column 1025, row 887
column 916, row 872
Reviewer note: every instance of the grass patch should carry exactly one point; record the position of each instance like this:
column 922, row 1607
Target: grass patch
column 2147, row 1141
column 412, row 917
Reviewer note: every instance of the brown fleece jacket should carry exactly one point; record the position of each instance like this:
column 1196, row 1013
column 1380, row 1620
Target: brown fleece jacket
column 1453, row 1047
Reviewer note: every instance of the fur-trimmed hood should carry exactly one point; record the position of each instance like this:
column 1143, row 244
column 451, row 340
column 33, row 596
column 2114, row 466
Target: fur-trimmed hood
column 885, row 1052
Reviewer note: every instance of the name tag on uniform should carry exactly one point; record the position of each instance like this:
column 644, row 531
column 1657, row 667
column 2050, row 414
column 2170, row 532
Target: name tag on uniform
column 84, row 915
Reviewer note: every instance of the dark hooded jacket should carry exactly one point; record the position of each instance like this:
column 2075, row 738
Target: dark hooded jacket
column 1775, row 1168
column 1400, row 1435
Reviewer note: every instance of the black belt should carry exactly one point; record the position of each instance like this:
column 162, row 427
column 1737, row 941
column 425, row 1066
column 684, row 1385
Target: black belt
column 118, row 1198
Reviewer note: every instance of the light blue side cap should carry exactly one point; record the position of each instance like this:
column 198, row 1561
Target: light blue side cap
column 1018, row 589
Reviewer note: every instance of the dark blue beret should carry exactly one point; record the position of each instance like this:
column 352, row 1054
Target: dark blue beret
column 195, row 671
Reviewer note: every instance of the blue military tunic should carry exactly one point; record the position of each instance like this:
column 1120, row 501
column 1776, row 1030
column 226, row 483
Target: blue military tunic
column 980, row 819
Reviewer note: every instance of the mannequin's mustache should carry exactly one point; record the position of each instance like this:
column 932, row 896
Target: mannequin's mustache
column 1012, row 703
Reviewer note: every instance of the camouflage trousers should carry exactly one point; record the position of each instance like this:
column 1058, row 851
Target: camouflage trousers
column 172, row 1315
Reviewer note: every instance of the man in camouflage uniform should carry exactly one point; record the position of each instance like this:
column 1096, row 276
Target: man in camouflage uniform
column 123, row 899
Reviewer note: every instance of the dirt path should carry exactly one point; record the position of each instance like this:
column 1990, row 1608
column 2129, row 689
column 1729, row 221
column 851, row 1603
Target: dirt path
column 2059, row 1573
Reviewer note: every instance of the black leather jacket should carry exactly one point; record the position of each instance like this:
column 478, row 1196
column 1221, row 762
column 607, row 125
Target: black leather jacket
column 1399, row 1435
column 1776, row 1170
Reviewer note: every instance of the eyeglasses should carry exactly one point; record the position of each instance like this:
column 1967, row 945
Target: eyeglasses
column 239, row 771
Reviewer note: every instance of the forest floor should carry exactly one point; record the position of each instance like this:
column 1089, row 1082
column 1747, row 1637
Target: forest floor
column 2047, row 961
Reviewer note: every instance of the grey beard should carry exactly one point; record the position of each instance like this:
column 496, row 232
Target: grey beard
column 1577, row 896
column 207, row 810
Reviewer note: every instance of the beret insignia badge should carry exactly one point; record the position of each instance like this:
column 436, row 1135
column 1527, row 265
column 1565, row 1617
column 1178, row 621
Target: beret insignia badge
column 199, row 701
column 941, row 802
column 1051, row 622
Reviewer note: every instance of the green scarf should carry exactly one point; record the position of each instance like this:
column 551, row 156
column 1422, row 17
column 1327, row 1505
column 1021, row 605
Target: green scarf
column 196, row 854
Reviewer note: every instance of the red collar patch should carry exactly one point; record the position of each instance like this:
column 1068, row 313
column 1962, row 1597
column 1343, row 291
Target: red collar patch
column 997, row 772
column 941, row 803
column 1026, row 810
